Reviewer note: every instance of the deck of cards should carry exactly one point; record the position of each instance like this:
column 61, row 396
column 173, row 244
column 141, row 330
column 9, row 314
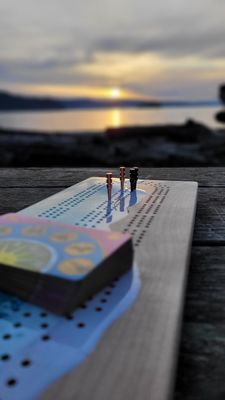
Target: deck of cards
column 59, row 266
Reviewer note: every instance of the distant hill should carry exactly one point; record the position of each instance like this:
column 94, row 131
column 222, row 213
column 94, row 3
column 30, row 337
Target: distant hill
column 14, row 102
column 108, row 103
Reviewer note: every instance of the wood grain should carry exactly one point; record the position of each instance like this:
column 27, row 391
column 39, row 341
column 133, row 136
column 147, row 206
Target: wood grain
column 201, row 367
column 63, row 177
column 141, row 346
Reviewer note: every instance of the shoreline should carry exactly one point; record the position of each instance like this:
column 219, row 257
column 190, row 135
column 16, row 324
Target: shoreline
column 188, row 144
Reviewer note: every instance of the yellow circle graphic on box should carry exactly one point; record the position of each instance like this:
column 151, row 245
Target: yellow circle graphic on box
column 63, row 237
column 77, row 249
column 34, row 230
column 78, row 266
column 24, row 254
column 5, row 230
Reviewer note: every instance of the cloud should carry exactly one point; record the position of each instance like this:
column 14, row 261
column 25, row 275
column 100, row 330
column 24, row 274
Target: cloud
column 136, row 43
column 172, row 42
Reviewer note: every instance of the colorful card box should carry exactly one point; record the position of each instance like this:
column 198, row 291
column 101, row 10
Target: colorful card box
column 59, row 266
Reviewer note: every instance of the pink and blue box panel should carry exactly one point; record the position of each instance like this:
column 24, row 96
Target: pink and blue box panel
column 59, row 266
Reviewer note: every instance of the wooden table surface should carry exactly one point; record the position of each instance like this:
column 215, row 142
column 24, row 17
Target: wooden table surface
column 201, row 364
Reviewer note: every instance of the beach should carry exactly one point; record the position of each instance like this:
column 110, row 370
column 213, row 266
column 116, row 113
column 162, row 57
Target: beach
column 188, row 144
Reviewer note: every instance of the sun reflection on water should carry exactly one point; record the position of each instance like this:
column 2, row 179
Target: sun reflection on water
column 116, row 118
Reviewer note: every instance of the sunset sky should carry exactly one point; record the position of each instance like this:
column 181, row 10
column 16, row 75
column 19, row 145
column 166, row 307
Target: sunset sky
column 162, row 49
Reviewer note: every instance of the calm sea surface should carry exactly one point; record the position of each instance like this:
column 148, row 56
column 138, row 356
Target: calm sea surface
column 99, row 120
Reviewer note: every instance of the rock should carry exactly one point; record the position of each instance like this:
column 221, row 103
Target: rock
column 189, row 132
column 220, row 116
column 189, row 144
column 222, row 93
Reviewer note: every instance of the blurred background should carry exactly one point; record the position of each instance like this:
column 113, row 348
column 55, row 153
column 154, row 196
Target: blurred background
column 102, row 83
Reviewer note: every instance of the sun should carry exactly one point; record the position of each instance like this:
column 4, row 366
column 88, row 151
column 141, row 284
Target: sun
column 115, row 93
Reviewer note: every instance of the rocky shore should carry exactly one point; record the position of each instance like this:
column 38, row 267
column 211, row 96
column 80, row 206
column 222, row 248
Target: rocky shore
column 220, row 116
column 190, row 144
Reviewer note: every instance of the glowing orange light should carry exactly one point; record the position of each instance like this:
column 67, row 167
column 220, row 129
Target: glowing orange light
column 115, row 93
column 116, row 118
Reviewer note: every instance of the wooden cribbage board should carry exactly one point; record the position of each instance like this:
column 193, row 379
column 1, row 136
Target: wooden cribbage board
column 136, row 358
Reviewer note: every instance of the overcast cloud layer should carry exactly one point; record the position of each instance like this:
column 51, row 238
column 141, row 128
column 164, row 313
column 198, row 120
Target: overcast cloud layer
column 159, row 48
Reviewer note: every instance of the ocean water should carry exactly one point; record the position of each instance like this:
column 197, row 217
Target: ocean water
column 99, row 120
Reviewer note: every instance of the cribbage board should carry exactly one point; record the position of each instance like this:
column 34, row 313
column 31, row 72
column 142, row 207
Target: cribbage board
column 142, row 345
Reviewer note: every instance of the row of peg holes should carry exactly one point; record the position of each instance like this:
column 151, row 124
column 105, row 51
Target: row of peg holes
column 72, row 201
column 144, row 217
column 12, row 381
column 93, row 215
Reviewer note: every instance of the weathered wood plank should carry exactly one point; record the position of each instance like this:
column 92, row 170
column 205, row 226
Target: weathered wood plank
column 62, row 177
column 210, row 220
column 201, row 367
column 14, row 199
